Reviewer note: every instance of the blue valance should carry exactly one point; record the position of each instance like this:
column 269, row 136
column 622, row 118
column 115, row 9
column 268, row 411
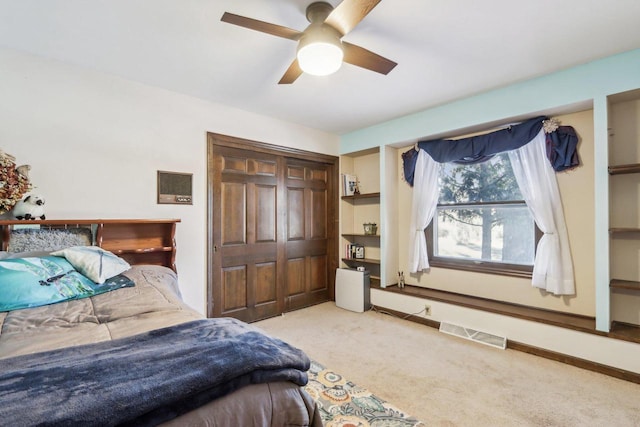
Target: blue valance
column 561, row 146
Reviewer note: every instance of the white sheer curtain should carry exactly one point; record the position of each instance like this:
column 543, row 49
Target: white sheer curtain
column 553, row 268
column 425, row 200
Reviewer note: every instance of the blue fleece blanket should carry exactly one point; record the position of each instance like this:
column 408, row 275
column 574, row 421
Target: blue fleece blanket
column 144, row 379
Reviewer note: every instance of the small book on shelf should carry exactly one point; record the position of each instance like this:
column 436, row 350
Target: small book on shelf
column 349, row 185
column 354, row 251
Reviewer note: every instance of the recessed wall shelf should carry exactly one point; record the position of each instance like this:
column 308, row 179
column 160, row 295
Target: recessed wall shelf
column 624, row 209
column 361, row 261
column 624, row 169
column 362, row 196
column 359, row 209
column 624, row 284
column 619, row 230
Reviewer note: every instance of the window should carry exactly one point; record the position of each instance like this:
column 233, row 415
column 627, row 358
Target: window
column 481, row 222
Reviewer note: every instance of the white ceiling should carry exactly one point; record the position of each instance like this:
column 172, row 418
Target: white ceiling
column 445, row 49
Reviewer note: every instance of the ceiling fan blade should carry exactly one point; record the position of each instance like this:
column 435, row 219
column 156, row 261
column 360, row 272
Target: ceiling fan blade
column 364, row 58
column 265, row 27
column 293, row 72
column 349, row 13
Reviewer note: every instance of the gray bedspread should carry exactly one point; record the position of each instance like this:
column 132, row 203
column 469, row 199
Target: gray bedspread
column 143, row 379
column 153, row 303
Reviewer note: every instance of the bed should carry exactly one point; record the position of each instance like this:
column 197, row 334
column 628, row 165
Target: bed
column 136, row 354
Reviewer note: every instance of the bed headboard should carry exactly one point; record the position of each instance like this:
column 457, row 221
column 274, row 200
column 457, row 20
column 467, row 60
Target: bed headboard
column 138, row 241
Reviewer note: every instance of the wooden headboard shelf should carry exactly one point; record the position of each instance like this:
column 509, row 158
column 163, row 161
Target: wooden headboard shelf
column 138, row 241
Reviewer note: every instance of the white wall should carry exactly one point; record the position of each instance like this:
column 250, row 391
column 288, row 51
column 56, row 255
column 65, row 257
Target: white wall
column 96, row 141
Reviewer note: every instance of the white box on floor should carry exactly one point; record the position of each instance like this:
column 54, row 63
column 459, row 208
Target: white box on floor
column 352, row 289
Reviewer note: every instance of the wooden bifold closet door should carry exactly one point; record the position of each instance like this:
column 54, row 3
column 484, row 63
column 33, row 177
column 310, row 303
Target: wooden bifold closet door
column 272, row 228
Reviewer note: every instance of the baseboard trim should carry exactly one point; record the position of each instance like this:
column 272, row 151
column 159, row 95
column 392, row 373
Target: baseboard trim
column 526, row 348
column 576, row 361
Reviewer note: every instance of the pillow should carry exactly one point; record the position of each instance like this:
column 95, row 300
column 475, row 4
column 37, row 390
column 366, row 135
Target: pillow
column 94, row 262
column 33, row 282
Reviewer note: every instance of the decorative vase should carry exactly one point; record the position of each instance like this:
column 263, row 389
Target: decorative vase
column 370, row 228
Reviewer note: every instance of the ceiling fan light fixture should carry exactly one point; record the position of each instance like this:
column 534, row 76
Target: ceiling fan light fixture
column 320, row 51
column 320, row 59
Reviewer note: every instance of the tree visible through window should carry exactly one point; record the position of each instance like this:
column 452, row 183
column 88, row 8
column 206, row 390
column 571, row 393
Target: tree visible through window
column 482, row 221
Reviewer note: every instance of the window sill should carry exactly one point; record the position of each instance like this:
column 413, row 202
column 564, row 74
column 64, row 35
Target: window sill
column 556, row 318
column 483, row 267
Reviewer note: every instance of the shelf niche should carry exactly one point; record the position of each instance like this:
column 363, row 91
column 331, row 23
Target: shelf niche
column 624, row 207
column 359, row 209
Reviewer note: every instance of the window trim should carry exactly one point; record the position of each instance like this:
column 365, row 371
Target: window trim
column 478, row 266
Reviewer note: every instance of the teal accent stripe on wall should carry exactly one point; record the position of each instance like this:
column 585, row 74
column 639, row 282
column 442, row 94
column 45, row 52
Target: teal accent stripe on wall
column 581, row 83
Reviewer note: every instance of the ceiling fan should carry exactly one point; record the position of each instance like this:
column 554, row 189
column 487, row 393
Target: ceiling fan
column 321, row 49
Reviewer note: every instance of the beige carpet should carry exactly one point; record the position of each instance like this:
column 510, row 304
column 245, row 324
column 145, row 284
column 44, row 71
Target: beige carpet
column 447, row 381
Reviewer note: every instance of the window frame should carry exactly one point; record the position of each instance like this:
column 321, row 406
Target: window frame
column 480, row 266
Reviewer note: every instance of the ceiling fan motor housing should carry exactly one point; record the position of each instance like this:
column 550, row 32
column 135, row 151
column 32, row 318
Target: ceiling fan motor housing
column 318, row 11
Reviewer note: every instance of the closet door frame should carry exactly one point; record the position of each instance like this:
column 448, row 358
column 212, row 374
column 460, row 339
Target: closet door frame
column 220, row 141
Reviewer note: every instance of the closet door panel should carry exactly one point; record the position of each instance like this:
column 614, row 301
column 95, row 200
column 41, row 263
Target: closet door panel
column 245, row 237
column 307, row 208
column 295, row 214
column 265, row 220
column 234, row 209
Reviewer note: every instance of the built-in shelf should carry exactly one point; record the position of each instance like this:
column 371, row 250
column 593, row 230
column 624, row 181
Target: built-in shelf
column 356, row 210
column 624, row 169
column 351, row 236
column 140, row 250
column 624, row 230
column 362, row 260
column 621, row 308
column 362, row 196
column 624, row 284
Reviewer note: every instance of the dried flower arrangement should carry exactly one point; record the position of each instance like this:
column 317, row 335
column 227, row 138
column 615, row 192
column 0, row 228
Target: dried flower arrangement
column 550, row 125
column 14, row 182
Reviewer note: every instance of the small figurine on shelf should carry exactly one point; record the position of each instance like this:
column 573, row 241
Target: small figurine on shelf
column 31, row 207
column 401, row 279
column 356, row 187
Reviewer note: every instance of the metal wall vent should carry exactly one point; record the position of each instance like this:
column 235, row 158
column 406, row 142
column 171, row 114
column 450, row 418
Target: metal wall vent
column 474, row 335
